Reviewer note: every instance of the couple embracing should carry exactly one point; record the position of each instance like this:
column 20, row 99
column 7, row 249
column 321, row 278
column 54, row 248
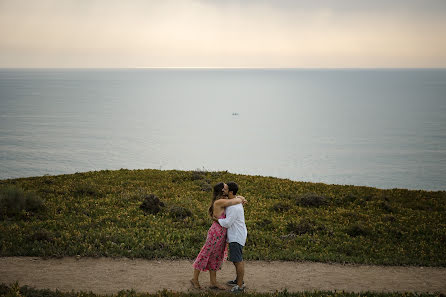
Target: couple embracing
column 226, row 210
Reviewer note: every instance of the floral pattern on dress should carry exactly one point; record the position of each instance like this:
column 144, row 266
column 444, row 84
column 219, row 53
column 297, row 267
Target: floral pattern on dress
column 214, row 250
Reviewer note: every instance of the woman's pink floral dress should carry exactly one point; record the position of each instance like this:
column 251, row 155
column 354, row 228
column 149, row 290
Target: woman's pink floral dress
column 214, row 250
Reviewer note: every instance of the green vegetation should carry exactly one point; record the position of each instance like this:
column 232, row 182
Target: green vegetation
column 16, row 203
column 15, row 290
column 113, row 214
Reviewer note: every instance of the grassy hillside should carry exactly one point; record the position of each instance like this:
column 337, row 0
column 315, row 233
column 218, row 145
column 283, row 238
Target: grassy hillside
column 98, row 214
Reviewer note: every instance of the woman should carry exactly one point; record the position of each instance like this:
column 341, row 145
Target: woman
column 213, row 251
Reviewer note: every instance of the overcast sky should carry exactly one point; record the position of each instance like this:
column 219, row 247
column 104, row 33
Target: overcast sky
column 223, row 33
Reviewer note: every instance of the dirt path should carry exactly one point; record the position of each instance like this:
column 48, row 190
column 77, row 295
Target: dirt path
column 105, row 275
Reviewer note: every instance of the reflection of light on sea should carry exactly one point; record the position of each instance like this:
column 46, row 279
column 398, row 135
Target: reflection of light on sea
column 304, row 125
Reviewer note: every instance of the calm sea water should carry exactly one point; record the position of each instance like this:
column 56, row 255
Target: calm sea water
column 380, row 128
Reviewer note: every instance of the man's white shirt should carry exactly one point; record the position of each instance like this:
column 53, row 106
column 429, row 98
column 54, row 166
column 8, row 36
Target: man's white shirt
column 235, row 223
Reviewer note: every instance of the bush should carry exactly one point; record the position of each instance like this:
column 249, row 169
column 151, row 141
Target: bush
column 85, row 189
column 34, row 203
column 42, row 235
column 396, row 233
column 179, row 212
column 13, row 201
column 350, row 198
column 206, row 187
column 280, row 207
column 357, row 230
column 384, row 205
column 303, row 227
column 389, row 218
column 178, row 178
column 311, row 200
column 151, row 204
column 264, row 224
column 198, row 174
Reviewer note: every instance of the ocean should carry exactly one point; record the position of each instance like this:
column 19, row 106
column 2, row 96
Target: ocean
column 383, row 128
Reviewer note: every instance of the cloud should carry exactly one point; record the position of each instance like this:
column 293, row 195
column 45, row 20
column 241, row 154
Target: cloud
column 210, row 33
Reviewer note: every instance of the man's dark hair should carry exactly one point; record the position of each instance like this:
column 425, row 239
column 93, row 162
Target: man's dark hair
column 232, row 187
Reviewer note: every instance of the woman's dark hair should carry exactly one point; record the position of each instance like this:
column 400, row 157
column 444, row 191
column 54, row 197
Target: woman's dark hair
column 233, row 187
column 218, row 192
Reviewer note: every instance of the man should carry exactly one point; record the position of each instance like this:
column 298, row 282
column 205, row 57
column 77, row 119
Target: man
column 235, row 223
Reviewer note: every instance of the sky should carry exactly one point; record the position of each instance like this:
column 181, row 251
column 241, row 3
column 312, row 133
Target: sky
column 222, row 33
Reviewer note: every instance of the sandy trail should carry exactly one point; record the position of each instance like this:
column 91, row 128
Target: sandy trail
column 106, row 275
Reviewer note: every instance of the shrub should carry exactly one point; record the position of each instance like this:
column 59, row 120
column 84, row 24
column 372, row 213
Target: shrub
column 350, row 198
column 198, row 174
column 389, row 218
column 311, row 200
column 179, row 212
column 48, row 181
column 286, row 195
column 85, row 189
column 151, row 204
column 264, row 224
column 42, row 235
column 206, row 187
column 396, row 233
column 13, row 201
column 303, row 227
column 280, row 207
column 178, row 179
column 368, row 198
column 384, row 205
column 155, row 246
column 357, row 230
column 34, row 203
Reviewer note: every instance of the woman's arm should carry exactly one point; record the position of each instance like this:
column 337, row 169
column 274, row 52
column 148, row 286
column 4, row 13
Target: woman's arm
column 229, row 202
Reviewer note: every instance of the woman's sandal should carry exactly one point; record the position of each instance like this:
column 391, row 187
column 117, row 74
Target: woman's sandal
column 218, row 288
column 195, row 285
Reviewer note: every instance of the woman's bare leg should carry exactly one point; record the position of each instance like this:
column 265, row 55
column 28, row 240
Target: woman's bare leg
column 213, row 280
column 194, row 280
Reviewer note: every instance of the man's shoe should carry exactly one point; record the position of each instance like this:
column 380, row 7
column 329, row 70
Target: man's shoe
column 233, row 283
column 236, row 289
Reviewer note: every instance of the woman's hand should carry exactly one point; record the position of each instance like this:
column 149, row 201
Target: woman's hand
column 244, row 201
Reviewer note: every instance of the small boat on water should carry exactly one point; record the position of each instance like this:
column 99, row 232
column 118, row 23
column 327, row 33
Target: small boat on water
column 235, row 113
